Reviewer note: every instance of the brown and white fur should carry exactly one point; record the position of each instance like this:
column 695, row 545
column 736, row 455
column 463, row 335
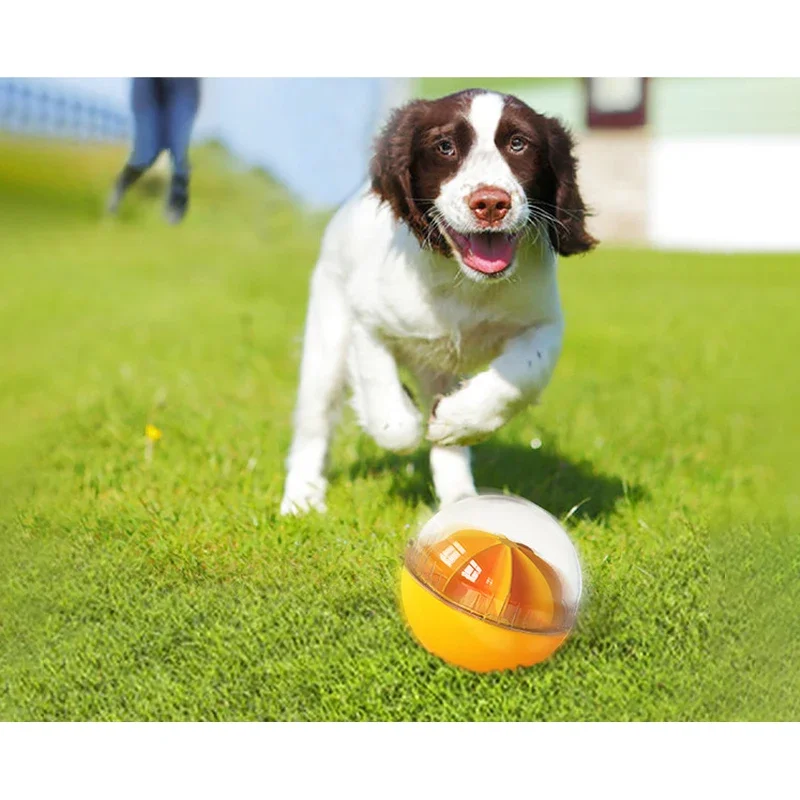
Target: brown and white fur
column 444, row 264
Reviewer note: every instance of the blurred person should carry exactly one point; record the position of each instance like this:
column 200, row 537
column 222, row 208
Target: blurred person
column 164, row 110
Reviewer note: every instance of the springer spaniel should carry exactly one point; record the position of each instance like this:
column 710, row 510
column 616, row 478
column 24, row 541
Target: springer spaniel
column 444, row 264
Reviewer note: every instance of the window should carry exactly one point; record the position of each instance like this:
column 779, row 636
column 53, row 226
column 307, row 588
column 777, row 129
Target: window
column 616, row 102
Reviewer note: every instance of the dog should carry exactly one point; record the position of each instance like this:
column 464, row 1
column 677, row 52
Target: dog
column 444, row 265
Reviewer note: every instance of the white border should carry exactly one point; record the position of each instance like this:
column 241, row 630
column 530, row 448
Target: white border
column 415, row 37
column 701, row 196
column 297, row 760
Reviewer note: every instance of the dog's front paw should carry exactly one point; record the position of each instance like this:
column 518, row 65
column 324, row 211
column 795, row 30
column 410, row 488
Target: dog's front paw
column 400, row 432
column 464, row 418
column 393, row 421
column 300, row 497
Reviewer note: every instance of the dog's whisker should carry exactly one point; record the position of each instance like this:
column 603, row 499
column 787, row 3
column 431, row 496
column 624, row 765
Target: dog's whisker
column 540, row 216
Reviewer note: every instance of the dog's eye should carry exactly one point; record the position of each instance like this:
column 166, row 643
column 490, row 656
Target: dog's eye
column 446, row 147
column 517, row 144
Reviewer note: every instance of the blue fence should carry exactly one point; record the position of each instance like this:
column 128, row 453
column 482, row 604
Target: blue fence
column 37, row 108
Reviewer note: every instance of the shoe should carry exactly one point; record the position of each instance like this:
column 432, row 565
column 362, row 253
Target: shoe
column 126, row 179
column 178, row 202
column 114, row 199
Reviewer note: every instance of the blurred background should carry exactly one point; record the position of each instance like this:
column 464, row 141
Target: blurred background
column 665, row 162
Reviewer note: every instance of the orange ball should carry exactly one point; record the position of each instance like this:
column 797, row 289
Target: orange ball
column 486, row 600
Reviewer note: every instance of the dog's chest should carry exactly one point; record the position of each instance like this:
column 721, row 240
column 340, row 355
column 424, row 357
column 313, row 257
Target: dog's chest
column 452, row 334
column 459, row 350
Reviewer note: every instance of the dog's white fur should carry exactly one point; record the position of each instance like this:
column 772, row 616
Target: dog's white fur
column 379, row 300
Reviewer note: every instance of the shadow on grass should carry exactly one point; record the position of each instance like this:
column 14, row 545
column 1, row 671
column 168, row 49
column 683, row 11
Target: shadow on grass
column 544, row 476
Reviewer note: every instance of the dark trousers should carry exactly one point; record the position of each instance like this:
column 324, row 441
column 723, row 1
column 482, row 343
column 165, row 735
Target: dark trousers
column 164, row 110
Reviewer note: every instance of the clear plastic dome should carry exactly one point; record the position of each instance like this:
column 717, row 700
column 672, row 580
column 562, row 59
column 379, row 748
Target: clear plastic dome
column 501, row 559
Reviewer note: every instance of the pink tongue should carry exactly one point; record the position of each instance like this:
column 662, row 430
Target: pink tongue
column 489, row 253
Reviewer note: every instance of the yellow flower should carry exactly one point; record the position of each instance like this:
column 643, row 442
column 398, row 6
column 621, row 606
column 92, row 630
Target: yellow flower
column 152, row 433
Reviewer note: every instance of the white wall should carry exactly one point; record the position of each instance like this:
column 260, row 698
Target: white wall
column 313, row 134
column 724, row 193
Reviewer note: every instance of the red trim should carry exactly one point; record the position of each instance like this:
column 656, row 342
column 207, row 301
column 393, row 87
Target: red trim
column 634, row 118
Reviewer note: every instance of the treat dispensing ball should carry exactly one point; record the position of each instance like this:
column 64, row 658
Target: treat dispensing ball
column 492, row 582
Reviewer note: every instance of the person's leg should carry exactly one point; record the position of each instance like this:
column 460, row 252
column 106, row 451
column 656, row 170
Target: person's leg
column 182, row 102
column 147, row 136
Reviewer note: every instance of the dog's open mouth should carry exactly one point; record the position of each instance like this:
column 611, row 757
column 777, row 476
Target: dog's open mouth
column 489, row 252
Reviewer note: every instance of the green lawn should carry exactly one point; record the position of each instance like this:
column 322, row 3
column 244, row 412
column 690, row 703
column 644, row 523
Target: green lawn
column 170, row 589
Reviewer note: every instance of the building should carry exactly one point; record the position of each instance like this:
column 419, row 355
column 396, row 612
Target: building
column 680, row 163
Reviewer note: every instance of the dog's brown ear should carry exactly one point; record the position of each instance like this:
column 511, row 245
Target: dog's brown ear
column 568, row 233
column 390, row 170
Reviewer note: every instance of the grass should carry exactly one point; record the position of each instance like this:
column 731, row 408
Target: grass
column 170, row 589
column 438, row 87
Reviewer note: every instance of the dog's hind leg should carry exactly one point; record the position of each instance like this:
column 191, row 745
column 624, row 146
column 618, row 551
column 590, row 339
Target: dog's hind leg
column 325, row 344
column 451, row 468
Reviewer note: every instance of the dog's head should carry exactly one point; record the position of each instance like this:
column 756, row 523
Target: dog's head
column 474, row 172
